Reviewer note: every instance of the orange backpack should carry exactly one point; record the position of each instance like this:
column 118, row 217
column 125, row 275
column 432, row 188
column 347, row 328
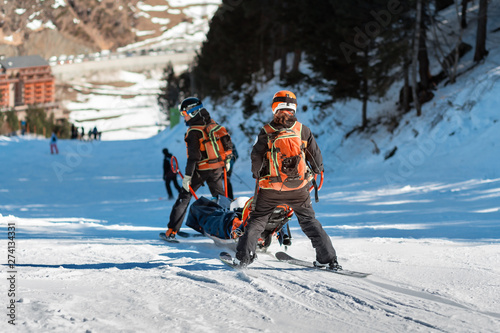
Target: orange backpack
column 285, row 158
column 215, row 145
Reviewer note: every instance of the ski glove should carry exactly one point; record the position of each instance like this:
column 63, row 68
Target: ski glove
column 186, row 182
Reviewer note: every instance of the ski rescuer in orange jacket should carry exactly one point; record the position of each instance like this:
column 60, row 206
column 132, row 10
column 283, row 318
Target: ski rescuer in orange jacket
column 280, row 160
column 201, row 166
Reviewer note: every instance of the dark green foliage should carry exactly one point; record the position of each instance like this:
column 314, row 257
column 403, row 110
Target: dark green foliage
column 62, row 129
column 12, row 120
column 356, row 47
column 38, row 122
column 169, row 95
column 36, row 118
column 442, row 4
column 185, row 85
column 231, row 53
column 249, row 106
column 353, row 46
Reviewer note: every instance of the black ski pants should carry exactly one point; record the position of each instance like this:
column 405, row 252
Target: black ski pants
column 300, row 202
column 215, row 182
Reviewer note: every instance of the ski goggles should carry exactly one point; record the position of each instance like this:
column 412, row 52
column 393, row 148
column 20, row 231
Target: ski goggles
column 285, row 103
column 191, row 110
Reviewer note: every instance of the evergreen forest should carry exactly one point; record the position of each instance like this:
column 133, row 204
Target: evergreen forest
column 356, row 49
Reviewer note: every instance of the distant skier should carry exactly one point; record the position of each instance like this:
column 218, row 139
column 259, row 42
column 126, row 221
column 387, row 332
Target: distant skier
column 169, row 175
column 280, row 159
column 53, row 144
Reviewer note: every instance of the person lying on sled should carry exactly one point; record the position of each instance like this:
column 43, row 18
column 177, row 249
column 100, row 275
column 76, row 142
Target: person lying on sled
column 225, row 221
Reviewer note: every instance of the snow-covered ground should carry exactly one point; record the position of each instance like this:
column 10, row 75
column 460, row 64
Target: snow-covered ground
column 88, row 258
column 425, row 223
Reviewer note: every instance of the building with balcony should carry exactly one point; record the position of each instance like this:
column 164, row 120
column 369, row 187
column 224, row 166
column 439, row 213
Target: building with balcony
column 27, row 81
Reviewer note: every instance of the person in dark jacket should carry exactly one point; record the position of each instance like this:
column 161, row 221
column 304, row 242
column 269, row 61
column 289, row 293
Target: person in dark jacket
column 198, row 167
column 284, row 107
column 169, row 175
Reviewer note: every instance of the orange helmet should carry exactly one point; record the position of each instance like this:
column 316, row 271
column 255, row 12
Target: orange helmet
column 284, row 99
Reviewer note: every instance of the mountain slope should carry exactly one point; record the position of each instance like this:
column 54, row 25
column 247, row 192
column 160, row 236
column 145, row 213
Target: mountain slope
column 56, row 27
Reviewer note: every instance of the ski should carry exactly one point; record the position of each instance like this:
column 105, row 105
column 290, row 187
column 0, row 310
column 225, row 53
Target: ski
column 227, row 259
column 165, row 238
column 285, row 257
column 188, row 235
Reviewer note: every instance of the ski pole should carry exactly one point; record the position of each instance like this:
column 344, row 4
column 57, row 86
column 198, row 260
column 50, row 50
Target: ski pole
column 174, row 165
column 316, row 187
column 254, row 201
column 225, row 181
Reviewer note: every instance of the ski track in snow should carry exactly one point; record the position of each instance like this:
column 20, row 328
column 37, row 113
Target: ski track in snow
column 137, row 282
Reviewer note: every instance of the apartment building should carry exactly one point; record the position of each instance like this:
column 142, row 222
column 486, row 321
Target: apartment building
column 26, row 81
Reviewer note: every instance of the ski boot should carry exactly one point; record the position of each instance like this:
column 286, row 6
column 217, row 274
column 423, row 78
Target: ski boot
column 170, row 234
column 332, row 265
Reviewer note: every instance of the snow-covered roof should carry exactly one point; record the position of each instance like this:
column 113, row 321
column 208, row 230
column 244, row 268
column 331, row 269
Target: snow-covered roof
column 23, row 61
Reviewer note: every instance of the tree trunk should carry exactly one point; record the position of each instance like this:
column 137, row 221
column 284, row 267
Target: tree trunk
column 481, row 51
column 454, row 67
column 423, row 57
column 415, row 59
column 269, row 70
column 192, row 83
column 365, row 93
column 283, row 52
column 364, row 120
column 297, row 57
column 406, row 88
column 463, row 22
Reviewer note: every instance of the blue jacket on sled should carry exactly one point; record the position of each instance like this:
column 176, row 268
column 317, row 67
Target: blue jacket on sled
column 213, row 218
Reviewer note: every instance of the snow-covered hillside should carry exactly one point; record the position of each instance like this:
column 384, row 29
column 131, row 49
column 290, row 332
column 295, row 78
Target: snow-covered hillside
column 425, row 223
column 122, row 106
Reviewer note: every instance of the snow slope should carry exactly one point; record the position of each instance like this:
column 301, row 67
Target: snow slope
column 425, row 223
column 88, row 257
column 124, row 112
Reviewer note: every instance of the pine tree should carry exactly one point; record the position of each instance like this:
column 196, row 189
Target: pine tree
column 12, row 120
column 356, row 47
column 169, row 94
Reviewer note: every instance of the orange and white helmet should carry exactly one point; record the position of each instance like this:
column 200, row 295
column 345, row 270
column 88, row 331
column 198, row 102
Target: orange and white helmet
column 284, row 99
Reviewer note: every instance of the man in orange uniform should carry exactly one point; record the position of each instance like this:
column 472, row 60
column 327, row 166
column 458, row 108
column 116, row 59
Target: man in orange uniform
column 200, row 167
column 283, row 178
